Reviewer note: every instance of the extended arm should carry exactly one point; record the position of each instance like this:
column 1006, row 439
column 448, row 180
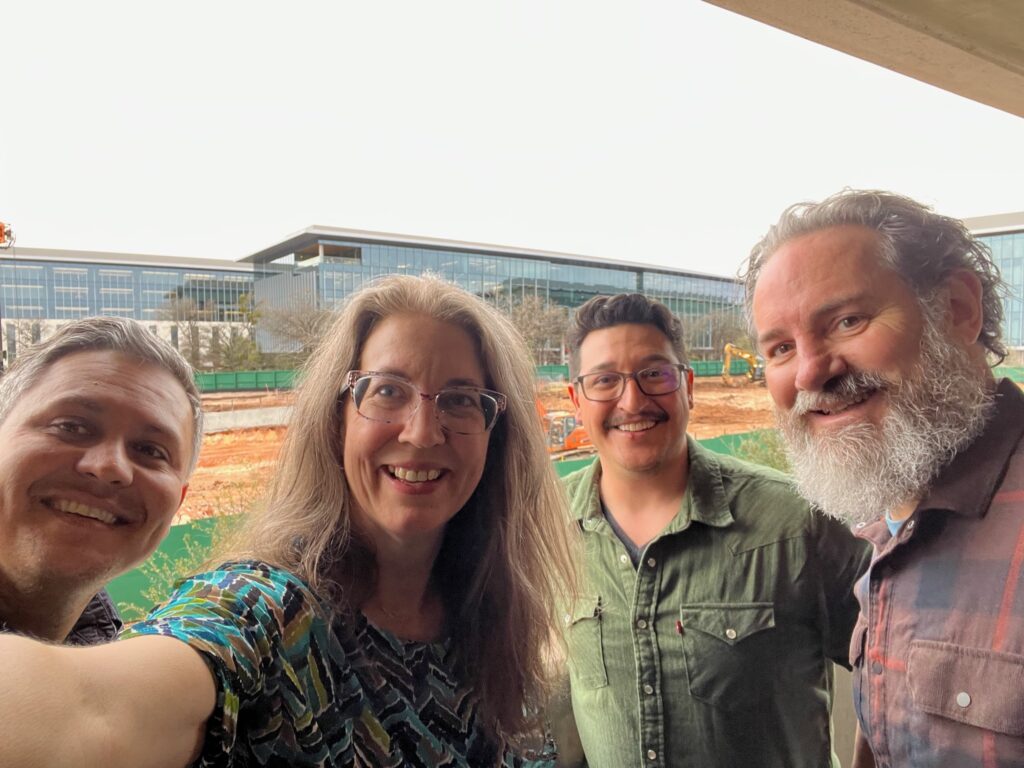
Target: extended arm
column 141, row 702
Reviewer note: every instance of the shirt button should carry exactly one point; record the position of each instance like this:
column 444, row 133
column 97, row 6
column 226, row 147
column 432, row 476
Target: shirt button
column 730, row 633
column 652, row 755
column 648, row 689
column 651, row 562
column 910, row 525
column 963, row 699
column 877, row 667
column 641, row 623
column 623, row 559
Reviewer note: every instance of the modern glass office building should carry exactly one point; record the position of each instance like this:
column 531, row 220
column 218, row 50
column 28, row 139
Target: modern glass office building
column 320, row 266
column 191, row 301
column 1004, row 235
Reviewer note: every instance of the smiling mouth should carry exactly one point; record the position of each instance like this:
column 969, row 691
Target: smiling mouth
column 414, row 475
column 636, row 426
column 81, row 510
column 840, row 407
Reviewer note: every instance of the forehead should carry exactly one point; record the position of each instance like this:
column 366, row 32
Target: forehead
column 421, row 346
column 110, row 382
column 813, row 270
column 624, row 345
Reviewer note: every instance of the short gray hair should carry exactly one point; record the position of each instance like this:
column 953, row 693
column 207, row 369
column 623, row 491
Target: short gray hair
column 919, row 244
column 97, row 334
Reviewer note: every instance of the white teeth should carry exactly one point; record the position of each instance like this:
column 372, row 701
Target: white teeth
column 74, row 508
column 413, row 475
column 843, row 406
column 638, row 426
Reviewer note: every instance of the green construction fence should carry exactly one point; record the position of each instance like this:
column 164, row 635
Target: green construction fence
column 240, row 381
column 246, row 381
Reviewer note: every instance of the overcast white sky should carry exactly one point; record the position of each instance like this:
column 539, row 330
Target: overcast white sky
column 662, row 131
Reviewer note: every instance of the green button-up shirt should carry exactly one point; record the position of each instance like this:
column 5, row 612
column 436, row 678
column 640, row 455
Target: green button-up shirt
column 717, row 649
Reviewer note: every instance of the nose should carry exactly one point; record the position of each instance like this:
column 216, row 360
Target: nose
column 107, row 461
column 422, row 429
column 816, row 367
column 632, row 398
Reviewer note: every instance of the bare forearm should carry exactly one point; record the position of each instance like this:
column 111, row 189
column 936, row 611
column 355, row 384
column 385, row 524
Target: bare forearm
column 138, row 703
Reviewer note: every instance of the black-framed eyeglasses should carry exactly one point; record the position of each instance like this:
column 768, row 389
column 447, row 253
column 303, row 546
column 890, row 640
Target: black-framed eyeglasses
column 609, row 385
column 393, row 399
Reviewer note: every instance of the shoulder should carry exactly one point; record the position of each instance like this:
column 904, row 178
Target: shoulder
column 752, row 484
column 579, row 486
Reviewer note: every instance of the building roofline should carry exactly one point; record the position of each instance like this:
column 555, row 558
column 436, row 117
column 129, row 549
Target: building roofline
column 127, row 259
column 310, row 235
column 996, row 224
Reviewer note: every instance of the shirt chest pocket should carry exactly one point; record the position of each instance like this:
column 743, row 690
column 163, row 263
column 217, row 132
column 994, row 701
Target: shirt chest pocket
column 730, row 651
column 968, row 685
column 586, row 649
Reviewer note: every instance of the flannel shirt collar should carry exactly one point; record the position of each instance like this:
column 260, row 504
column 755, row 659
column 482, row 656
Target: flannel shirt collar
column 967, row 484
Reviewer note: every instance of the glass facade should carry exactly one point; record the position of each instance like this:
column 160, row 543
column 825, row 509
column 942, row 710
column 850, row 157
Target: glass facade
column 702, row 302
column 1008, row 254
column 65, row 291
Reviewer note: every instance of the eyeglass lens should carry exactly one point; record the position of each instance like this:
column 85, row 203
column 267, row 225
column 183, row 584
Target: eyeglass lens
column 390, row 399
column 608, row 385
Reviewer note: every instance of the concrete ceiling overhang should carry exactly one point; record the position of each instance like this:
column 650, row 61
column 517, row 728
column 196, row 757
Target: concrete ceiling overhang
column 974, row 48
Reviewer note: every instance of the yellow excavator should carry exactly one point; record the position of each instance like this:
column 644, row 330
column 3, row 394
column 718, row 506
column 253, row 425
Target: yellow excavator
column 755, row 365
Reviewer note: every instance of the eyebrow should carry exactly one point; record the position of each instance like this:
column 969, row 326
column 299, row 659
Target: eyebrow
column 95, row 406
column 824, row 310
column 610, row 366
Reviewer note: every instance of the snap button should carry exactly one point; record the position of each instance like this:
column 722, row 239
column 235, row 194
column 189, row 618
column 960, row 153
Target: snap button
column 652, row 755
column 623, row 559
column 651, row 562
column 910, row 525
column 642, row 624
column 730, row 633
column 648, row 689
column 963, row 699
column 568, row 618
column 876, row 668
column 860, row 525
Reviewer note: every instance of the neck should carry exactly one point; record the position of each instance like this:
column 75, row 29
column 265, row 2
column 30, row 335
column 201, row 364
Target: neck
column 44, row 611
column 404, row 599
column 644, row 503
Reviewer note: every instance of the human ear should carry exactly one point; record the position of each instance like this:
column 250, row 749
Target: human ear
column 964, row 299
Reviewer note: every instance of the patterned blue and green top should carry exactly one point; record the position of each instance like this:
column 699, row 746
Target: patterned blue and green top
column 297, row 687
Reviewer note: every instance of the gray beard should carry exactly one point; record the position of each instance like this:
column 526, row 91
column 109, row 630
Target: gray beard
column 861, row 471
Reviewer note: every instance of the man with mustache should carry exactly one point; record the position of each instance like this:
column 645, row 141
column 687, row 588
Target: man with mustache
column 100, row 427
column 714, row 599
column 878, row 320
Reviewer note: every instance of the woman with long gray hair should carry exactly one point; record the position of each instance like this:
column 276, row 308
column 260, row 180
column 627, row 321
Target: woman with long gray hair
column 392, row 605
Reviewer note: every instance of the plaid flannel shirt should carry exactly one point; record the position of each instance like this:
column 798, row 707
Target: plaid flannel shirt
column 938, row 651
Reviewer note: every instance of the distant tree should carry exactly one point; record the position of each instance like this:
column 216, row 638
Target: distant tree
column 189, row 318
column 707, row 335
column 291, row 333
column 542, row 325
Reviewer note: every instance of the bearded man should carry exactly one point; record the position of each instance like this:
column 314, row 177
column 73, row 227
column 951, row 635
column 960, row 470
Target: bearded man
column 878, row 319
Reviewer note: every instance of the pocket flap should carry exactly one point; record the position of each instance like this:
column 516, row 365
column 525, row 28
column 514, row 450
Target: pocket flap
column 969, row 685
column 729, row 622
column 586, row 607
